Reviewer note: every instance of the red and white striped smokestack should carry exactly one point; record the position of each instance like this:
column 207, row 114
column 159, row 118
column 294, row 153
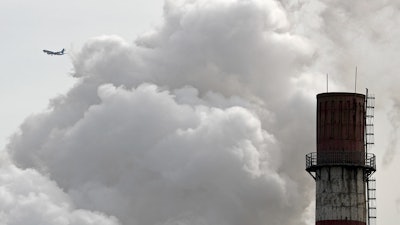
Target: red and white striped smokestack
column 340, row 166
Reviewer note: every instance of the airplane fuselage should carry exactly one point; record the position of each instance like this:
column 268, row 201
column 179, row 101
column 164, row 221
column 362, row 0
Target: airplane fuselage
column 54, row 53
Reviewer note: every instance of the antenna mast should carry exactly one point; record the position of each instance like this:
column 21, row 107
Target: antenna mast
column 355, row 82
column 327, row 82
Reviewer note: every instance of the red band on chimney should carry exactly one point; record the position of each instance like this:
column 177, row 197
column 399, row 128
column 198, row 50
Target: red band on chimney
column 339, row 222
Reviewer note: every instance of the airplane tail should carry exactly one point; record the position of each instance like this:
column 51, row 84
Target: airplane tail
column 62, row 51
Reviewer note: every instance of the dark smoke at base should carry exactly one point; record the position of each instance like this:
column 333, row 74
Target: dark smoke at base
column 204, row 120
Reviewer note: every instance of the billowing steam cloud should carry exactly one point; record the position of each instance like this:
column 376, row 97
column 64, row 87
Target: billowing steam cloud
column 28, row 197
column 204, row 120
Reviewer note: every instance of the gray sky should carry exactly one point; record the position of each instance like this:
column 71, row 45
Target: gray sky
column 192, row 112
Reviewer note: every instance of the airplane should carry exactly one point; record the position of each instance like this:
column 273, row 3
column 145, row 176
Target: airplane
column 54, row 53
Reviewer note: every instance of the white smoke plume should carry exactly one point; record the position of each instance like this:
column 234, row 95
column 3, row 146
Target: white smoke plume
column 27, row 197
column 206, row 118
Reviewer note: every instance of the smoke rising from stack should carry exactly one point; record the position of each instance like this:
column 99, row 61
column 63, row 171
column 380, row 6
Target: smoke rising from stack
column 203, row 120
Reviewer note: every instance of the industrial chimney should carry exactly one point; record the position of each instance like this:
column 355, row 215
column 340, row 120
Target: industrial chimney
column 342, row 166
